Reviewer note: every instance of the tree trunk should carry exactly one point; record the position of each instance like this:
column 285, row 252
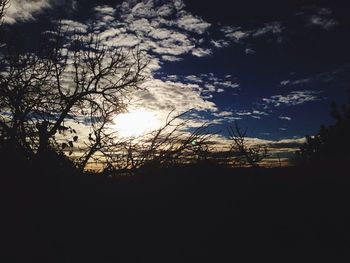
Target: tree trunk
column 43, row 138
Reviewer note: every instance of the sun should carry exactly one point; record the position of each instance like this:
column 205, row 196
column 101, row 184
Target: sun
column 136, row 122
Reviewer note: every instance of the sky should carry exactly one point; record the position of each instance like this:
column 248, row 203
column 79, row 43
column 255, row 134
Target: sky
column 272, row 66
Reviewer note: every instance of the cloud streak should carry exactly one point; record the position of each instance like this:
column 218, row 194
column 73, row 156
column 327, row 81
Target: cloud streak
column 292, row 99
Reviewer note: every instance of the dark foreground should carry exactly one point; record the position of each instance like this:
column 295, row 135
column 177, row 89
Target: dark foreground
column 179, row 215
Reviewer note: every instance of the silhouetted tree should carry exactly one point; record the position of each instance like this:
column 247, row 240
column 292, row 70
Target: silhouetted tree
column 332, row 143
column 244, row 153
column 4, row 4
column 76, row 79
column 170, row 144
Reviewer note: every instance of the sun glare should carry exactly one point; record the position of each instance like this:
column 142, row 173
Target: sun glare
column 135, row 122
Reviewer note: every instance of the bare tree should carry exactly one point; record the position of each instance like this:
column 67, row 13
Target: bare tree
column 77, row 78
column 170, row 144
column 4, row 4
column 244, row 153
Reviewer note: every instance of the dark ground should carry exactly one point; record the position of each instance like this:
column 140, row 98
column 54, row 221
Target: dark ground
column 179, row 215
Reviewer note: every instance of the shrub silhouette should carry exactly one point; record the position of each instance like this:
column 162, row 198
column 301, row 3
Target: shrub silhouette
column 332, row 143
column 244, row 153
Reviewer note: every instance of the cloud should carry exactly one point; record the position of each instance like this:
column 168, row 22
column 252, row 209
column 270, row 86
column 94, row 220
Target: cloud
column 249, row 51
column 201, row 52
column 244, row 113
column 164, row 96
column 244, row 37
column 320, row 17
column 73, row 26
column 207, row 83
column 171, row 58
column 25, row 10
column 273, row 28
column 284, row 82
column 193, row 24
column 323, row 22
column 295, row 82
column 255, row 114
column 164, row 29
column 278, row 146
column 224, row 114
column 221, row 43
column 105, row 10
column 285, row 118
column 225, row 117
column 193, row 78
column 291, row 144
column 235, row 34
column 292, row 99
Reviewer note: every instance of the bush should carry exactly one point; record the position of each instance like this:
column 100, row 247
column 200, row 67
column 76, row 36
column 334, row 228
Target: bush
column 332, row 143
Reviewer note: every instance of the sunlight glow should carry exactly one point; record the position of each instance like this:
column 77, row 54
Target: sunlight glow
column 136, row 122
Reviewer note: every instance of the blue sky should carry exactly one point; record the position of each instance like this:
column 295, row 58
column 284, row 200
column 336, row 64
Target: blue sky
column 273, row 67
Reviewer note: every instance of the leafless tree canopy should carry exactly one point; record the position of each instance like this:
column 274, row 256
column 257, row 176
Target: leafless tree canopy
column 170, row 144
column 79, row 79
column 4, row 4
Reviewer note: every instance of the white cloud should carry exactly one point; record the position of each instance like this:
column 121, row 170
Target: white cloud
column 295, row 82
column 193, row 78
column 235, row 33
column 160, row 33
column 179, row 4
column 165, row 10
column 156, row 28
column 285, row 118
column 73, row 26
column 201, row 52
column 244, row 113
column 20, row 10
column 323, row 22
column 320, row 17
column 243, row 36
column 293, row 98
column 193, row 24
column 171, row 58
column 257, row 112
column 285, row 82
column 26, row 10
column 224, row 114
column 208, row 83
column 124, row 40
column 220, row 43
column 163, row 96
column 105, row 10
column 249, row 51
column 274, row 28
